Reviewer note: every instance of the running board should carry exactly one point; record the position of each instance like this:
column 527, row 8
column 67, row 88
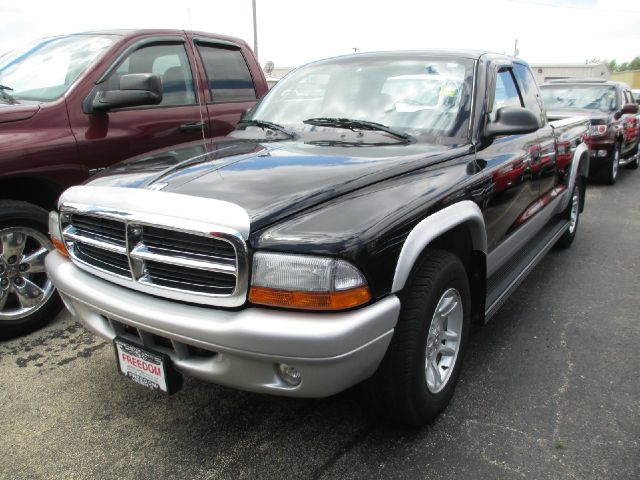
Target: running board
column 503, row 282
column 628, row 160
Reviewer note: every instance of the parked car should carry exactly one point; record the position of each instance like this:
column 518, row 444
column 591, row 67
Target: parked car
column 636, row 95
column 615, row 129
column 337, row 236
column 75, row 104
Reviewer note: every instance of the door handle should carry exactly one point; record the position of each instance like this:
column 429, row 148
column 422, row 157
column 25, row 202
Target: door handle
column 191, row 127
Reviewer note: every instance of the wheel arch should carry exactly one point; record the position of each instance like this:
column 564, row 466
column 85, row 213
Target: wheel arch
column 579, row 168
column 460, row 230
column 32, row 189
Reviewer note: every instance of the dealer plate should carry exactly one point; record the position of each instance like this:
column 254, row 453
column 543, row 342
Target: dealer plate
column 146, row 367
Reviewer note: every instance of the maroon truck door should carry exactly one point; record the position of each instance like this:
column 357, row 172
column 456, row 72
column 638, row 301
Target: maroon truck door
column 229, row 87
column 108, row 137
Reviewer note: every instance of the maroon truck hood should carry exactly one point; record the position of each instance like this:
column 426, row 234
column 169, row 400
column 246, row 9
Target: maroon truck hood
column 13, row 113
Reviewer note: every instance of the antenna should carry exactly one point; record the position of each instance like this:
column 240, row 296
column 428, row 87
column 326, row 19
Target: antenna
column 197, row 78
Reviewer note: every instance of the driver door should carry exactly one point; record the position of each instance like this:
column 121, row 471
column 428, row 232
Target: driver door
column 108, row 137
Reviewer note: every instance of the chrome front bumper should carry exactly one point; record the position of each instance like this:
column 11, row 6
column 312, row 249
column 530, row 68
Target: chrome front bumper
column 333, row 351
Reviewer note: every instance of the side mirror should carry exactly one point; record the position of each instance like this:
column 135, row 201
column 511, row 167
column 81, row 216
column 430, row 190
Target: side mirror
column 630, row 108
column 135, row 89
column 512, row 121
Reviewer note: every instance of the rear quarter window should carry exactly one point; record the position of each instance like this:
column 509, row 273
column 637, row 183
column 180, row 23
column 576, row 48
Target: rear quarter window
column 228, row 74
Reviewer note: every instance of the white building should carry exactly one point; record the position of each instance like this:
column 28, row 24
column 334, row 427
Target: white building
column 555, row 71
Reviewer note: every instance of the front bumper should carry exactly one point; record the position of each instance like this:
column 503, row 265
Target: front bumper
column 333, row 351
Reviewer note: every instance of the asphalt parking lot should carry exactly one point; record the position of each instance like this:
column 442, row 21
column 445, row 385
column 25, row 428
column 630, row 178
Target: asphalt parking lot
column 550, row 389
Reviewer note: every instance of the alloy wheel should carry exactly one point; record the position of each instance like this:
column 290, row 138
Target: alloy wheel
column 24, row 285
column 443, row 341
column 575, row 210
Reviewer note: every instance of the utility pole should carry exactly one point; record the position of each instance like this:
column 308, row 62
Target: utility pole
column 515, row 49
column 355, row 49
column 255, row 29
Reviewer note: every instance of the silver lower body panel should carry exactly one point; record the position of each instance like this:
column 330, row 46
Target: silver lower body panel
column 332, row 351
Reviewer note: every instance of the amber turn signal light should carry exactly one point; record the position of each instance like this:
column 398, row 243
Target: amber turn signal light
column 310, row 300
column 59, row 246
column 55, row 234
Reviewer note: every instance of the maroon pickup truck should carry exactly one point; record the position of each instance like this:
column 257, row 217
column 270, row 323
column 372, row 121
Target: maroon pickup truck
column 72, row 105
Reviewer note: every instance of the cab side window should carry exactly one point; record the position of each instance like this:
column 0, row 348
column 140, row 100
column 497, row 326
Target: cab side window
column 530, row 92
column 170, row 62
column 506, row 93
column 227, row 73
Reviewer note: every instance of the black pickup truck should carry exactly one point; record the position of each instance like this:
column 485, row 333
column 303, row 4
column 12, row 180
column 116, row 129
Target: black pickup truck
column 361, row 217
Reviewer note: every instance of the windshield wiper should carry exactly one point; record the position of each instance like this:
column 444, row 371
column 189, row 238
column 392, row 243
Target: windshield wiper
column 267, row 126
column 359, row 125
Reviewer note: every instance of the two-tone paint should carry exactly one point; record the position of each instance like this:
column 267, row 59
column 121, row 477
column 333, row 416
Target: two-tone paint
column 367, row 204
column 379, row 205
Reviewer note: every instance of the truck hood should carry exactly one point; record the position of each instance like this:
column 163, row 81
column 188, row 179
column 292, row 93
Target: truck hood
column 596, row 116
column 270, row 180
column 16, row 112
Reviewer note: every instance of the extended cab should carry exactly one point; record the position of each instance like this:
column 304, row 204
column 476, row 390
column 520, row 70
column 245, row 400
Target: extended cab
column 72, row 105
column 362, row 216
column 615, row 130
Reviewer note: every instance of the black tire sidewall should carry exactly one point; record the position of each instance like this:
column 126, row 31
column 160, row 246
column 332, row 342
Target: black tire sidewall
column 609, row 178
column 402, row 372
column 22, row 214
column 567, row 237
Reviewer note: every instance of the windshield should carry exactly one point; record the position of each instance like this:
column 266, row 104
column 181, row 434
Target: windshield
column 44, row 70
column 586, row 97
column 428, row 98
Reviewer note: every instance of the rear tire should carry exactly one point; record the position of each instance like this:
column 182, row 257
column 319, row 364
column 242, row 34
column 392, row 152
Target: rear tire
column 28, row 300
column 417, row 377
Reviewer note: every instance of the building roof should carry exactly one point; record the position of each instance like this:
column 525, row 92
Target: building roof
column 569, row 65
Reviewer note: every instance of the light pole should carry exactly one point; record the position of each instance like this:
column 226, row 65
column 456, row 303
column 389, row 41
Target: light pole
column 255, row 29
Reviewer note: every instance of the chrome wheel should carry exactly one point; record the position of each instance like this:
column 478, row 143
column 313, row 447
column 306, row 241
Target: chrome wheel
column 24, row 285
column 443, row 341
column 575, row 210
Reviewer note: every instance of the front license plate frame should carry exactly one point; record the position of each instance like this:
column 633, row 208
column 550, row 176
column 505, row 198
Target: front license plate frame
column 147, row 367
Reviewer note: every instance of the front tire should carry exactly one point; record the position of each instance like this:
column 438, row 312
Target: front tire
column 613, row 166
column 28, row 299
column 572, row 214
column 418, row 374
column 636, row 162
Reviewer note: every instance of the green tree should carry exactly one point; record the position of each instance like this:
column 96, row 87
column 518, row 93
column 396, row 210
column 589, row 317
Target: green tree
column 614, row 66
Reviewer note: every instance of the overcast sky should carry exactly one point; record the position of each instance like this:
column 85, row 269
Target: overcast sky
column 291, row 32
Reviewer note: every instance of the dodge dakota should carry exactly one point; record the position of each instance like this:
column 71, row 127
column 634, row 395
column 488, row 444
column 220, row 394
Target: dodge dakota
column 352, row 228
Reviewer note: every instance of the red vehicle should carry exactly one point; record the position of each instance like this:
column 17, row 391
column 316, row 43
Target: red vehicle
column 73, row 105
column 614, row 124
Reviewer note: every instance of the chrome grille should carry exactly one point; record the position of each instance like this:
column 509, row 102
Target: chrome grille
column 100, row 242
column 189, row 278
column 108, row 261
column 187, row 245
column 199, row 266
column 102, row 229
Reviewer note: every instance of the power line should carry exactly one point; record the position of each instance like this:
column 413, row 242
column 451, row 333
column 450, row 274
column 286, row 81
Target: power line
column 571, row 7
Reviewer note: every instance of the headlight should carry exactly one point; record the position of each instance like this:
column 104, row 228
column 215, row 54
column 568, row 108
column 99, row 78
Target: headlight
column 56, row 234
column 597, row 130
column 307, row 282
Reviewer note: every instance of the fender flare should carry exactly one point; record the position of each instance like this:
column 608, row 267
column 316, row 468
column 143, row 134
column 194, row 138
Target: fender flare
column 432, row 227
column 575, row 168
